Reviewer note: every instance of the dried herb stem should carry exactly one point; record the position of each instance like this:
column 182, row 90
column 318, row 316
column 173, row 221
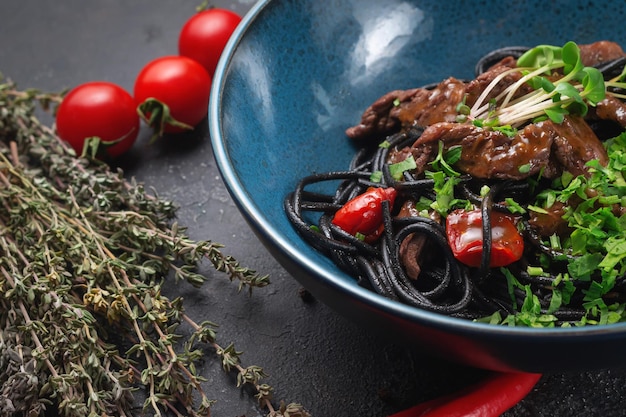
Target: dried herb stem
column 84, row 253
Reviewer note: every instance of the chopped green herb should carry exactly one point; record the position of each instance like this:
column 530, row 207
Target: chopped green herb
column 524, row 169
column 537, row 209
column 376, row 176
column 555, row 242
column 535, row 271
column 397, row 170
column 445, row 159
column 513, row 206
column 506, row 129
column 463, row 108
column 445, row 200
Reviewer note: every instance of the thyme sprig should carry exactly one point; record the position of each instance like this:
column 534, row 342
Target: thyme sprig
column 84, row 255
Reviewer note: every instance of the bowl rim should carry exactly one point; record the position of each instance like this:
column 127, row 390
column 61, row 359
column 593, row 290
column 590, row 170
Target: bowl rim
column 254, row 216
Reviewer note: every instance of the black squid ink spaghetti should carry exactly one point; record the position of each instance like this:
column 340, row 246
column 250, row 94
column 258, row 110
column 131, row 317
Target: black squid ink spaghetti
column 500, row 199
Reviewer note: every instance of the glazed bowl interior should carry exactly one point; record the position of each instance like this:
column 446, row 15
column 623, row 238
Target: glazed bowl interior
column 296, row 74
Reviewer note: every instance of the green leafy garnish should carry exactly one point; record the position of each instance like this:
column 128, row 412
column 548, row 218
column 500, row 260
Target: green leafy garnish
column 384, row 144
column 445, row 159
column 445, row 200
column 597, row 242
column 397, row 170
column 376, row 176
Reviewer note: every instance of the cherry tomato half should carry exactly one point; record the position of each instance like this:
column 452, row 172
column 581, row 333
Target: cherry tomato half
column 98, row 109
column 180, row 84
column 364, row 213
column 465, row 237
column 205, row 34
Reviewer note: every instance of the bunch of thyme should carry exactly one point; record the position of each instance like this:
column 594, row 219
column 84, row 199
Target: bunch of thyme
column 84, row 254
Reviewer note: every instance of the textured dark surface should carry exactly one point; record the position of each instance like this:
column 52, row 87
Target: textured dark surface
column 334, row 367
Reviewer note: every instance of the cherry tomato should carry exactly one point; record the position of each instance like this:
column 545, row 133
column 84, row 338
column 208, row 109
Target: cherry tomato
column 98, row 109
column 465, row 237
column 179, row 87
column 205, row 34
column 364, row 213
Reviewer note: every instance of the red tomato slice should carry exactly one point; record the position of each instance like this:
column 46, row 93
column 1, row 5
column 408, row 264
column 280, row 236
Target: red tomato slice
column 465, row 237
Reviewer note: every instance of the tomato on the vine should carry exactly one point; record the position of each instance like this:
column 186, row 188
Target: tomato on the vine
column 172, row 93
column 98, row 109
column 204, row 36
column 465, row 237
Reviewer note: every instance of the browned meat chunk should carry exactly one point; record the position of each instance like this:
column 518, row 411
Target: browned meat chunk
column 613, row 109
column 488, row 153
column 376, row 121
column 399, row 109
column 575, row 144
column 410, row 252
column 546, row 146
column 551, row 222
column 432, row 106
column 598, row 52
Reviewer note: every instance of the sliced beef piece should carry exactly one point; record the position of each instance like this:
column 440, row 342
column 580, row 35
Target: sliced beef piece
column 550, row 222
column 411, row 250
column 546, row 146
column 413, row 245
column 376, row 122
column 415, row 249
column 403, row 108
column 432, row 106
column 613, row 109
column 488, row 153
column 575, row 144
column 600, row 52
column 399, row 155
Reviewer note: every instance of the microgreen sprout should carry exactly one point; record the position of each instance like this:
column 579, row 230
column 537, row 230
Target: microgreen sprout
column 552, row 97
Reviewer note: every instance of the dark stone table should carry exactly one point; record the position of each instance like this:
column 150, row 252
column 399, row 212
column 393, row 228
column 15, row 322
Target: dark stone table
column 313, row 356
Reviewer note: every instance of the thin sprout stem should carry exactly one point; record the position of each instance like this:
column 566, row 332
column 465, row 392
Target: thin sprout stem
column 515, row 86
column 478, row 106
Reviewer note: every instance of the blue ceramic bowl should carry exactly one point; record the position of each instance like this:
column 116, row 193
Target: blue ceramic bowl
column 297, row 73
